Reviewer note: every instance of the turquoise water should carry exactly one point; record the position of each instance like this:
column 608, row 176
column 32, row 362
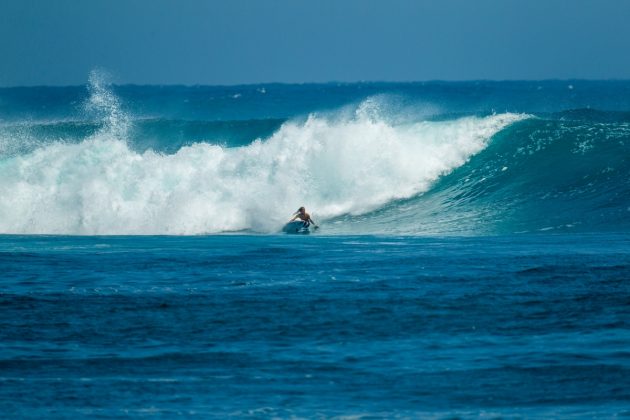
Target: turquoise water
column 472, row 259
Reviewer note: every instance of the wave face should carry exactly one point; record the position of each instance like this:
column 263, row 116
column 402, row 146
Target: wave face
column 538, row 175
column 379, row 159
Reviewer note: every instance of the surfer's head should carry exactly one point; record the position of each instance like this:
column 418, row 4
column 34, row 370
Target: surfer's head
column 301, row 210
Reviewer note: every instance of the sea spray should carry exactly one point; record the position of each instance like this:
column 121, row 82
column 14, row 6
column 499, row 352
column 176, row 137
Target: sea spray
column 106, row 106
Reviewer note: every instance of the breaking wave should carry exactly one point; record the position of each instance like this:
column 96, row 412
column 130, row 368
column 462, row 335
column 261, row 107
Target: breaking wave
column 368, row 167
column 335, row 164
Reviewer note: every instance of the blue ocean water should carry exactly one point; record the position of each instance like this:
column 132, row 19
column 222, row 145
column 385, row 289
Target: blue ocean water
column 473, row 256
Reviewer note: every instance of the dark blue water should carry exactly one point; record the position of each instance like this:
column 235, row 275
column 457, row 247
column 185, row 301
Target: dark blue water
column 261, row 326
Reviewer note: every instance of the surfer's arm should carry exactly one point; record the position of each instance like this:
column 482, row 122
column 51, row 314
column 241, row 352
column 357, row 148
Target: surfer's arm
column 294, row 217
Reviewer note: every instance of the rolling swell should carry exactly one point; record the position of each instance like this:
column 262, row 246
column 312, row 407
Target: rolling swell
column 163, row 135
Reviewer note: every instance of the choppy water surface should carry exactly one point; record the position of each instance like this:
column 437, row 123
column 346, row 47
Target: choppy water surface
column 304, row 326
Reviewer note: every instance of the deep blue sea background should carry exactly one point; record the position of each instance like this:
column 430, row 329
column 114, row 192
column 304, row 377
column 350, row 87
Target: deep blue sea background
column 473, row 257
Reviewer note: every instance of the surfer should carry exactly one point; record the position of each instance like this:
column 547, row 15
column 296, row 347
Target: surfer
column 304, row 217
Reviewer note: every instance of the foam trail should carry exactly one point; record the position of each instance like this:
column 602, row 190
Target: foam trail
column 354, row 165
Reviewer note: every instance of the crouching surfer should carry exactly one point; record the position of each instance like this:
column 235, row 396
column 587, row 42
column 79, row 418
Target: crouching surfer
column 304, row 217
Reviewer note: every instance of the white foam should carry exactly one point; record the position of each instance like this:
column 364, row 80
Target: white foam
column 331, row 166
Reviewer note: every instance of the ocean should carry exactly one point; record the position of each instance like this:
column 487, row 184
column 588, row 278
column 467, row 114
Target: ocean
column 472, row 260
